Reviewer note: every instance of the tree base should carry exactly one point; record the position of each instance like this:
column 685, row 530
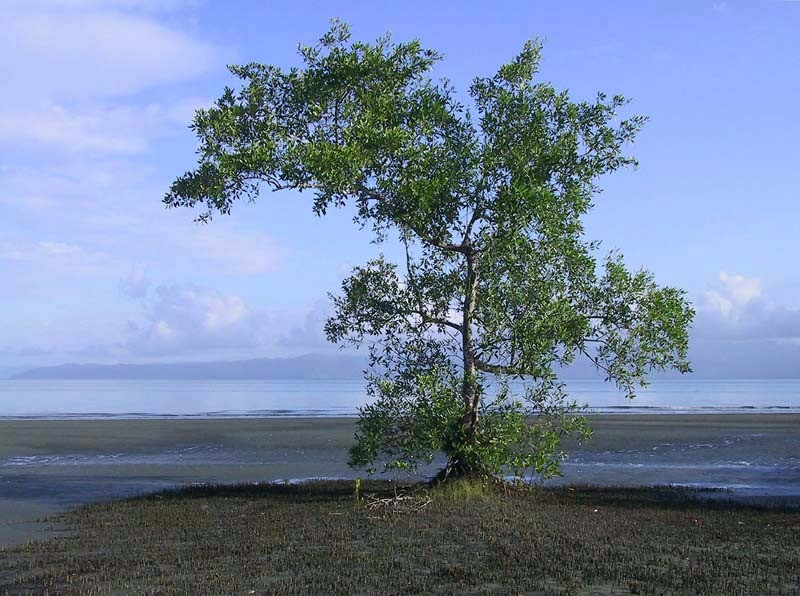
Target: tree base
column 457, row 471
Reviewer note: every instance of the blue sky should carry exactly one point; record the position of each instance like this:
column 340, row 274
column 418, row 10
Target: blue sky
column 96, row 100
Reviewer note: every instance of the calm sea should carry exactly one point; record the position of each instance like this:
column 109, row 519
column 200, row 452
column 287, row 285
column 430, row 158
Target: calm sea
column 219, row 399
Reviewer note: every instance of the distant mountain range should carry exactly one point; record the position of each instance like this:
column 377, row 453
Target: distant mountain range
column 310, row 366
column 6, row 372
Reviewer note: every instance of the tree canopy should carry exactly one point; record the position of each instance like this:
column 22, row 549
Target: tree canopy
column 499, row 287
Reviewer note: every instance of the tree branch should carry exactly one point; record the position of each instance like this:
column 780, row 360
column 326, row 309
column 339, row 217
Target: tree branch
column 476, row 215
column 438, row 321
column 596, row 362
column 497, row 369
column 415, row 290
column 368, row 193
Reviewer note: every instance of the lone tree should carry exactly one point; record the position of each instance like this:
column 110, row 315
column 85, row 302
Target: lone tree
column 499, row 288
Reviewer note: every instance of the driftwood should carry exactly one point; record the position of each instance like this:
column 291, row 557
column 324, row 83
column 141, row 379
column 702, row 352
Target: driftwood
column 398, row 503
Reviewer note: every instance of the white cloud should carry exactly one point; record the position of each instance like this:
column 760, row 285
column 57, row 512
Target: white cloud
column 75, row 65
column 237, row 251
column 222, row 312
column 733, row 296
column 184, row 319
column 38, row 251
column 181, row 112
column 143, row 5
column 739, row 308
column 311, row 334
column 48, row 258
column 743, row 289
column 135, row 284
column 89, row 187
column 59, row 248
column 163, row 331
column 117, row 130
column 100, row 88
column 68, row 55
column 110, row 131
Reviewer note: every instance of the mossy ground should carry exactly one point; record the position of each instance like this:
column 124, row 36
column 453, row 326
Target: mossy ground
column 316, row 539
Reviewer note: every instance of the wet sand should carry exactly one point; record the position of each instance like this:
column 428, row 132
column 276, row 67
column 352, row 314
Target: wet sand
column 49, row 465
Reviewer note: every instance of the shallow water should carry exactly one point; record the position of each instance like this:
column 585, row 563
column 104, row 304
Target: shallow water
column 296, row 398
column 755, row 463
column 757, row 453
column 46, row 464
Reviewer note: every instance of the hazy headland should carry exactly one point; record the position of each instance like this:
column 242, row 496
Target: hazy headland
column 308, row 366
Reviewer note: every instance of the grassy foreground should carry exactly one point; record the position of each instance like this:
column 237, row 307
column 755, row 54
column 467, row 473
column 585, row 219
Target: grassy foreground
column 316, row 539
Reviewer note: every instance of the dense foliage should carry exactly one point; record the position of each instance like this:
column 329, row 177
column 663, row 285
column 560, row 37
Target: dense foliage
column 487, row 197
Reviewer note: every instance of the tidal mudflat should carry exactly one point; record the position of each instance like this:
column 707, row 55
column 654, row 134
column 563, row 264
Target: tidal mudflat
column 47, row 466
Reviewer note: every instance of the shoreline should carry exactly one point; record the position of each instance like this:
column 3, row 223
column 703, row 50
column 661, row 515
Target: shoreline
column 257, row 415
column 48, row 466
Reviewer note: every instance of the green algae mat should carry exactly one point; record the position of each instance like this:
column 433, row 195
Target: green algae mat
column 318, row 538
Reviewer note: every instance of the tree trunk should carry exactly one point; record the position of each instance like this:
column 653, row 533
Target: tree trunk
column 460, row 466
column 469, row 390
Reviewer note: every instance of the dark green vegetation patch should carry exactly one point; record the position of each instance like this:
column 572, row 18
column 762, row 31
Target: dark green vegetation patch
column 316, row 539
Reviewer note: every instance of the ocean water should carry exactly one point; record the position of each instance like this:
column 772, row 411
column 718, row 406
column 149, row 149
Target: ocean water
column 298, row 398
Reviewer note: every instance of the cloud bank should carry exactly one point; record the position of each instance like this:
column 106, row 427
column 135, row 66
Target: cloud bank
column 739, row 309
